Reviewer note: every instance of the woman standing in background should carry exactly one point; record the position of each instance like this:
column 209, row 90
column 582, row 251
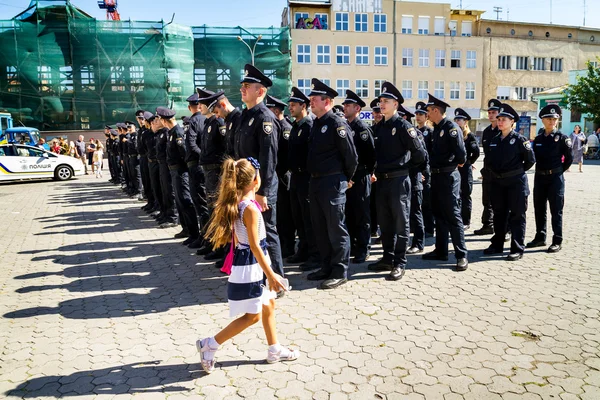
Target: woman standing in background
column 579, row 141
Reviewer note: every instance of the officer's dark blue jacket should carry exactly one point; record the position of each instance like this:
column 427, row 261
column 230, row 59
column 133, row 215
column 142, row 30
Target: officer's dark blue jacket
column 472, row 148
column 232, row 122
column 427, row 133
column 176, row 146
column 448, row 147
column 510, row 154
column 298, row 144
column 549, row 151
column 151, row 144
column 364, row 143
column 192, row 137
column 132, row 143
column 161, row 144
column 396, row 144
column 486, row 138
column 283, row 147
column 213, row 141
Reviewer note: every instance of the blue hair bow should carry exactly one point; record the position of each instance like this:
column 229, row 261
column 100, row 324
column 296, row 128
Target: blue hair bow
column 254, row 162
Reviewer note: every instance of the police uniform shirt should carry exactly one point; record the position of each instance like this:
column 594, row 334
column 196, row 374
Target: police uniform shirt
column 510, row 154
column 486, row 138
column 331, row 148
column 364, row 143
column 176, row 146
column 116, row 146
column 283, row 147
column 150, row 143
column 549, row 150
column 416, row 171
column 427, row 133
column 396, row 142
column 472, row 148
column 448, row 147
column 140, row 145
column 257, row 136
column 193, row 135
column 232, row 122
column 213, row 141
column 161, row 144
column 132, row 139
column 298, row 144
column 122, row 145
column 108, row 145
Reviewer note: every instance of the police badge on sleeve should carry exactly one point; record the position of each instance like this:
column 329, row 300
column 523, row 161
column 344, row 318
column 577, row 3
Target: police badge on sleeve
column 341, row 131
column 412, row 132
column 222, row 130
column 268, row 127
column 364, row 135
column 454, row 132
column 527, row 145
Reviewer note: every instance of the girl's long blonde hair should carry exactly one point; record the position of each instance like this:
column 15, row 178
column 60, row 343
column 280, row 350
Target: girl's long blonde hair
column 466, row 130
column 236, row 177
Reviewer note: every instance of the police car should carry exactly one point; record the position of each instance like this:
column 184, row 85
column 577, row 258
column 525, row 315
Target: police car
column 19, row 161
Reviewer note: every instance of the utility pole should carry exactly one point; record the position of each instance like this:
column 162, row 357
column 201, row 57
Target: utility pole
column 497, row 10
column 508, row 14
column 583, row 12
column 550, row 11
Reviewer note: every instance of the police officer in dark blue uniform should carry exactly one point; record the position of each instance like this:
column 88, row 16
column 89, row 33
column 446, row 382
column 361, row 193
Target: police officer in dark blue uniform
column 168, row 217
column 462, row 118
column 114, row 154
column 123, row 157
column 510, row 155
column 153, row 169
column 135, row 177
column 374, row 225
column 396, row 144
column 307, row 253
column 447, row 153
column 331, row 161
column 195, row 127
column 550, row 146
column 142, row 148
column 257, row 136
column 108, row 147
column 285, row 221
column 231, row 116
column 427, row 135
column 358, row 212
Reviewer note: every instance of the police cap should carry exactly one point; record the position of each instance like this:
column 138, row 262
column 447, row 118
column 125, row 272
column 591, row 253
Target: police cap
column 507, row 111
column 550, row 111
column 420, row 108
column 389, row 91
column 209, row 98
column 165, row 112
column 113, row 132
column 298, row 97
column 108, row 127
column 375, row 105
column 193, row 99
column 433, row 101
column 148, row 115
column 271, row 101
column 129, row 123
column 318, row 88
column 352, row 98
column 459, row 113
column 185, row 120
column 494, row 104
column 404, row 112
column 253, row 75
column 121, row 125
column 139, row 113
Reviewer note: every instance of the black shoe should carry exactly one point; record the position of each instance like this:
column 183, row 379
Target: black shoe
column 485, row 230
column 309, row 265
column 189, row 240
column 396, row 274
column 297, row 258
column 333, row 283
column 555, row 248
column 414, row 250
column 361, row 257
column 287, row 253
column 461, row 265
column 514, row 256
column 205, row 250
column 318, row 275
column 214, row 255
column 491, row 250
column 433, row 255
column 167, row 224
column 507, row 237
column 377, row 240
column 381, row 265
column 219, row 264
column 196, row 244
column 353, row 251
column 536, row 243
column 428, row 234
column 181, row 235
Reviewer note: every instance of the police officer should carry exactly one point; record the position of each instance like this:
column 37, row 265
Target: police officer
column 193, row 132
column 358, row 213
column 168, row 217
column 447, row 153
column 396, row 144
column 231, row 115
column 307, row 253
column 142, row 149
column 487, row 217
column 114, row 154
column 462, row 118
column 551, row 147
column 123, row 157
column 285, row 221
column 377, row 116
column 108, row 147
column 510, row 155
column 153, row 165
column 374, row 225
column 135, row 176
column 257, row 137
column 426, row 132
column 332, row 162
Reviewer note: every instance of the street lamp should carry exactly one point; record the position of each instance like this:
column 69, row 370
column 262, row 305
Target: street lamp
column 248, row 46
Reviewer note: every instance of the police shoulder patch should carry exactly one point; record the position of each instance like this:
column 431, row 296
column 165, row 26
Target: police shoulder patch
column 474, row 145
column 268, row 127
column 180, row 141
column 527, row 144
column 222, row 130
column 453, row 132
column 568, row 142
column 286, row 134
column 412, row 132
column 364, row 135
column 341, row 131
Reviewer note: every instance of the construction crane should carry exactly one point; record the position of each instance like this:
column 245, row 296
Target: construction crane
column 111, row 9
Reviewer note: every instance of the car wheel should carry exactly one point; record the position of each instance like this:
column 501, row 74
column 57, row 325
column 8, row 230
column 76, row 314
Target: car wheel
column 63, row 173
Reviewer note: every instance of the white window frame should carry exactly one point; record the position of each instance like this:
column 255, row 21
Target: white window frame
column 423, row 90
column 343, row 24
column 341, row 85
column 345, row 55
column 439, row 90
column 407, row 57
column 503, row 92
column 440, row 58
column 407, row 89
column 380, row 23
column 469, row 90
column 455, row 55
column 423, row 25
column 324, row 53
column 299, row 15
column 301, row 53
column 454, row 90
column 362, row 24
column 304, row 86
column 504, row 62
column 556, row 64
column 424, row 58
column 324, row 19
column 539, row 63
column 471, row 59
column 521, row 93
column 362, row 55
column 381, row 57
column 362, row 88
column 407, row 24
column 377, row 86
column 439, row 26
column 466, row 32
column 522, row 63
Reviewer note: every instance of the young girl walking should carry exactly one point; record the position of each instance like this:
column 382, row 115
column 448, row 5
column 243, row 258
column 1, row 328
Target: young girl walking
column 237, row 214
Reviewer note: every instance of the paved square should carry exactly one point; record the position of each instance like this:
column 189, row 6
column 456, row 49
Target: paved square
column 96, row 302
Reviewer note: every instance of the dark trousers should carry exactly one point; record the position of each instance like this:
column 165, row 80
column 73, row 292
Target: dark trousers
column 417, row 225
column 198, row 193
column 167, row 191
column 466, row 188
column 445, row 192
column 428, row 219
column 549, row 189
column 300, row 205
column 285, row 219
column 393, row 211
column 358, row 212
column 111, row 166
column 373, row 206
column 211, row 177
column 125, row 171
column 154, row 173
column 327, row 204
column 147, row 185
column 273, row 244
column 187, row 213
column 487, row 217
column 509, row 200
column 135, row 176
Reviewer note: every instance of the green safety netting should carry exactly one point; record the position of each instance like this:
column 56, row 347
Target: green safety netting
column 61, row 69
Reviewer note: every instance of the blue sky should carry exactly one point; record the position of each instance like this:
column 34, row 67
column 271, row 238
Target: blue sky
column 264, row 13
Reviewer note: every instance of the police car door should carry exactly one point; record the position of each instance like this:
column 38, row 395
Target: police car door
column 9, row 163
column 37, row 163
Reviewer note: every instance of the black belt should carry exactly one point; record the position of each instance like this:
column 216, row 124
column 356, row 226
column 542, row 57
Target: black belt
column 508, row 174
column 325, row 174
column 390, row 175
column 210, row 167
column 554, row 171
column 361, row 168
column 445, row 169
column 192, row 163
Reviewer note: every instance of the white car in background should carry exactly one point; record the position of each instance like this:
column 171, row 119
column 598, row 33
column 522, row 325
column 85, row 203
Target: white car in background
column 18, row 161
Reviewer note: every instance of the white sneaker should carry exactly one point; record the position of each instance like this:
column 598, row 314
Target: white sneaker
column 203, row 348
column 284, row 354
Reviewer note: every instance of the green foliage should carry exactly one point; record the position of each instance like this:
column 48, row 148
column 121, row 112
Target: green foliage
column 584, row 95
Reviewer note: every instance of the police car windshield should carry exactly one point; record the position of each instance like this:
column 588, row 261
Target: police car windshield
column 35, row 136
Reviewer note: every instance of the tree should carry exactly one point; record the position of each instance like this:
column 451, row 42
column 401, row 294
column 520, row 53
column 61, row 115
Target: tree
column 584, row 96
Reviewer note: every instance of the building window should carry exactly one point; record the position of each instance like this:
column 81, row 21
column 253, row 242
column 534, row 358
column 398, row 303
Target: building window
column 88, row 78
column 174, row 79
column 117, row 81
column 66, row 79
column 298, row 15
column 326, row 81
column 136, row 77
column 539, row 63
column 471, row 59
column 341, row 21
column 424, row 58
column 360, row 23
column 536, row 90
column 439, row 28
column 470, row 90
column 323, row 54
column 223, row 76
column 407, row 57
column 503, row 93
column 303, row 53
column 454, row 90
column 423, row 28
column 304, row 86
column 362, row 88
column 503, row 62
column 522, row 63
column 343, row 55
column 44, row 78
column 200, row 77
column 556, row 64
column 455, row 59
column 438, row 90
column 594, row 64
column 323, row 19
column 342, row 85
column 381, row 55
column 362, row 55
column 407, row 89
column 466, row 28
column 440, row 58
column 12, row 79
column 377, row 87
column 407, row 24
column 380, row 22
column 423, row 91
column 521, row 93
